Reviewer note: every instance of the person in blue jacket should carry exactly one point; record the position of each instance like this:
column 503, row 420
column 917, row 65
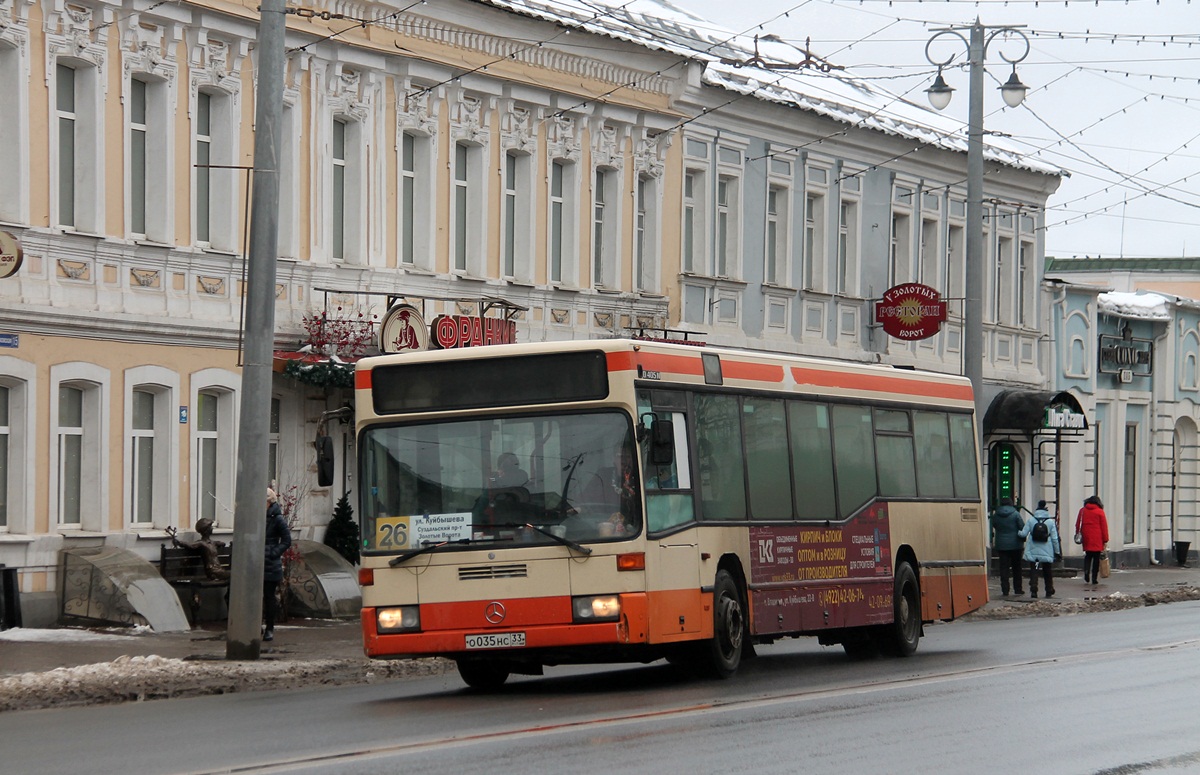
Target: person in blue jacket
column 278, row 539
column 1006, row 523
column 1041, row 554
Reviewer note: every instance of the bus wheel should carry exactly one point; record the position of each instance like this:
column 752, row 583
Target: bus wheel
column 483, row 674
column 729, row 627
column 900, row 638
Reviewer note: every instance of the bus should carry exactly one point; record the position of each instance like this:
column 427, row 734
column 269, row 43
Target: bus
column 627, row 500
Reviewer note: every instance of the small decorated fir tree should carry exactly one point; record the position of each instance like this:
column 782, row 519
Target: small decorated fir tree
column 342, row 533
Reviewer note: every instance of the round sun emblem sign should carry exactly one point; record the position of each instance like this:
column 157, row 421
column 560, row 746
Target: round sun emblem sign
column 911, row 311
column 10, row 255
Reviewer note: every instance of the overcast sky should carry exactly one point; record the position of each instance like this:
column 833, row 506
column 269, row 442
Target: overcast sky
column 1114, row 97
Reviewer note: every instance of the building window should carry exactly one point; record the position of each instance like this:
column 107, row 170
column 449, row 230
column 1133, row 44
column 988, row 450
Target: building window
column 216, row 187
column 693, row 222
column 1024, row 284
column 516, row 225
column 929, row 252
column 562, row 221
column 70, row 455
column 777, row 237
column 901, row 261
column 339, row 189
column 814, row 240
column 509, row 249
column 847, row 245
column 408, row 191
column 348, row 225
column 1002, row 290
column 65, row 104
column 204, row 102
column 466, row 208
column 137, row 157
column 142, row 458
column 416, row 200
column 213, row 444
column 605, row 240
column 645, row 244
column 14, row 149
column 955, row 261
column 727, row 226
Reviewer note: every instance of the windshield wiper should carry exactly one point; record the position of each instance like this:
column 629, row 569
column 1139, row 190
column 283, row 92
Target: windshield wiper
column 429, row 547
column 567, row 542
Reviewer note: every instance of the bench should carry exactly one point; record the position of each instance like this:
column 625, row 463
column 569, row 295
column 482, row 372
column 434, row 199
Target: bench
column 183, row 568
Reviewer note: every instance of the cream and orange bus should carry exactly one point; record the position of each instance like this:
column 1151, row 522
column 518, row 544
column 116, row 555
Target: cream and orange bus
column 625, row 501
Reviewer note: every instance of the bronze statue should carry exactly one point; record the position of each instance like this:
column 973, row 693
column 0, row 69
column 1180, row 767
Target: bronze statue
column 207, row 547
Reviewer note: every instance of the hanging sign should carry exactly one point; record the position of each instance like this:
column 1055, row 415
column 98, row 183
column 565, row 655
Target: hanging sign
column 403, row 330
column 10, row 255
column 911, row 311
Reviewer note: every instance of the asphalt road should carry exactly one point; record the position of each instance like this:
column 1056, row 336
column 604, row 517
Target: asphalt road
column 1105, row 692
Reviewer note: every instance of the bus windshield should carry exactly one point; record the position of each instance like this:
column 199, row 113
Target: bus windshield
column 513, row 480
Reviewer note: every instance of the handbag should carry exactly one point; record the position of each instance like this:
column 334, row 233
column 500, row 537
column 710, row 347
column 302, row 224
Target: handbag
column 1105, row 568
column 1078, row 537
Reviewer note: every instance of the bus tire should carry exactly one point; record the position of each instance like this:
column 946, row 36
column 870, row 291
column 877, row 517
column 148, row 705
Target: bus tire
column 729, row 628
column 483, row 674
column 900, row 638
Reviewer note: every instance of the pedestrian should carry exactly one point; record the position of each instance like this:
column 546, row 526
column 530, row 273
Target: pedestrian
column 1092, row 525
column 278, row 540
column 1006, row 524
column 1042, row 549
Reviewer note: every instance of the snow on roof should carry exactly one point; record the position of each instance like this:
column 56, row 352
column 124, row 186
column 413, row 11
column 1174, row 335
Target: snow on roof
column 835, row 94
column 1146, row 306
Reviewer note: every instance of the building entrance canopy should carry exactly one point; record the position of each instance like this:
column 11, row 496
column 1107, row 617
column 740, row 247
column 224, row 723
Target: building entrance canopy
column 1029, row 412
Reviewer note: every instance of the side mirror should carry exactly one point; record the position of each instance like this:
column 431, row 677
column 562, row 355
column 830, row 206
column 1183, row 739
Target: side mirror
column 324, row 447
column 662, row 442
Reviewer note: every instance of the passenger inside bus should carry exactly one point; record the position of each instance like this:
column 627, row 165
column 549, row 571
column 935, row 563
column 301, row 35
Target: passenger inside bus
column 509, row 472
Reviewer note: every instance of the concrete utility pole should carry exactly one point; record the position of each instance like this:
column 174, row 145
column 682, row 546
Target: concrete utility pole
column 243, row 640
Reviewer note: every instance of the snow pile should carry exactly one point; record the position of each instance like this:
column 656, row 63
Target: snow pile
column 1117, row 601
column 1146, row 306
column 133, row 679
column 71, row 635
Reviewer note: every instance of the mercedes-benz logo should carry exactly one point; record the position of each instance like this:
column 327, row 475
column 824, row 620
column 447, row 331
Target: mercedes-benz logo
column 494, row 612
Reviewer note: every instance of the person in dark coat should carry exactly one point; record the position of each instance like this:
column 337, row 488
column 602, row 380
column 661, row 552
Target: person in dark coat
column 278, row 540
column 1006, row 524
column 1092, row 524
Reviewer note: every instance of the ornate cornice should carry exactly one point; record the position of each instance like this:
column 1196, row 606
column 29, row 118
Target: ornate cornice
column 544, row 57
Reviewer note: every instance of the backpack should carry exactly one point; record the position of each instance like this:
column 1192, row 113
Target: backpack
column 1040, row 532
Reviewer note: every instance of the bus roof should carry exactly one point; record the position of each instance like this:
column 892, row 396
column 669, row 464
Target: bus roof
column 670, row 363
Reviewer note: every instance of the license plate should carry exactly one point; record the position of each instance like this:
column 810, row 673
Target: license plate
column 496, row 640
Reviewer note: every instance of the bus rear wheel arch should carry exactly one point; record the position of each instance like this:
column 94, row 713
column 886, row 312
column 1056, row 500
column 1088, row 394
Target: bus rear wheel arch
column 723, row 654
column 901, row 637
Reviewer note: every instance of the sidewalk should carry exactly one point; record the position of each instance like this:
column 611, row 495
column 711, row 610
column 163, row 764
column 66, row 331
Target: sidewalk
column 1131, row 582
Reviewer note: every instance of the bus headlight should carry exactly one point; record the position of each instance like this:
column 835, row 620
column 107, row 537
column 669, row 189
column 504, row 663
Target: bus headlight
column 601, row 608
column 406, row 618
